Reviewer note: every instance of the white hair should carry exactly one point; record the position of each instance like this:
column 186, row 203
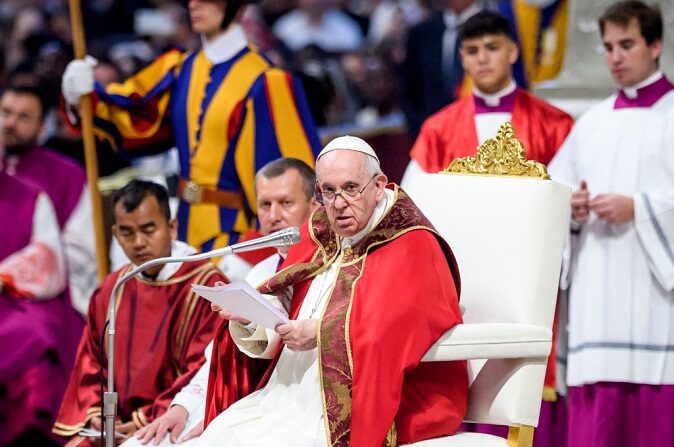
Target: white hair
column 372, row 166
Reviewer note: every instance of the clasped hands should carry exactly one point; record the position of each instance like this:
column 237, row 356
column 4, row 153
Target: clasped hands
column 611, row 208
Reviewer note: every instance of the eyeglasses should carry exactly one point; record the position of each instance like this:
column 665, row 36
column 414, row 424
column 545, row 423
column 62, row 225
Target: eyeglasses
column 351, row 193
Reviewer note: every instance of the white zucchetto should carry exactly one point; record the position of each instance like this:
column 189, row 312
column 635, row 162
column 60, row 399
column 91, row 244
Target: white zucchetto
column 349, row 143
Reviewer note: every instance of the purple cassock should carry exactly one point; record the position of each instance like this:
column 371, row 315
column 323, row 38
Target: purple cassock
column 38, row 338
column 62, row 179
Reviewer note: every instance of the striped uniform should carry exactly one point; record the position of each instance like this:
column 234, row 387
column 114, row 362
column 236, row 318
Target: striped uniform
column 227, row 120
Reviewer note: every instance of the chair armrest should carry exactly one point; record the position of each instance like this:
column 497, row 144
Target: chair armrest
column 491, row 341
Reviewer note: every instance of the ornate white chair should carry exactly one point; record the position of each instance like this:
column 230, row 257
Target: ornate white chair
column 506, row 226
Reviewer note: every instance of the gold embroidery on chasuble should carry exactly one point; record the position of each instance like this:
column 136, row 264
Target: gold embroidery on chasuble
column 334, row 345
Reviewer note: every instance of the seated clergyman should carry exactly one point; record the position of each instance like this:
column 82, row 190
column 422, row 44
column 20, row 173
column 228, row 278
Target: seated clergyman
column 162, row 327
column 369, row 289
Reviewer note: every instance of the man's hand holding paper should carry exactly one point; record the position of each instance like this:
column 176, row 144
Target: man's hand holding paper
column 225, row 313
column 239, row 301
column 299, row 335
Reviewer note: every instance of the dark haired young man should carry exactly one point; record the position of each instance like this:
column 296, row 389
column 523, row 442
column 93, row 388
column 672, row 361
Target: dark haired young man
column 162, row 326
column 488, row 53
column 619, row 158
column 226, row 109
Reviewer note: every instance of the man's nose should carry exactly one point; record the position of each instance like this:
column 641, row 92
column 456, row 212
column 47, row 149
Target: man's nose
column 615, row 56
column 340, row 202
column 274, row 212
column 139, row 240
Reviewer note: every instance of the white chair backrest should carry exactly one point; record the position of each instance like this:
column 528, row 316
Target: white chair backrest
column 507, row 234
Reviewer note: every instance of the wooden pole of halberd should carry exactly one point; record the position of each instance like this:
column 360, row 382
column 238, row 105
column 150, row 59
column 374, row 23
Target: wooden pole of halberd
column 90, row 158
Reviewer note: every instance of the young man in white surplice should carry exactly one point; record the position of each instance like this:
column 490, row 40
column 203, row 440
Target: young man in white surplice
column 619, row 158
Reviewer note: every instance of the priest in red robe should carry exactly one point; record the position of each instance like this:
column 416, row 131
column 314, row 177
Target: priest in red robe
column 488, row 53
column 348, row 370
column 162, row 326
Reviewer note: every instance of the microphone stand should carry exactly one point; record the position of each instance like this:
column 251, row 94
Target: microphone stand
column 282, row 238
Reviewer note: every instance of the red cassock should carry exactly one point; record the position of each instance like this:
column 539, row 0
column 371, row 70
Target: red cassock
column 239, row 375
column 396, row 293
column 162, row 331
column 451, row 132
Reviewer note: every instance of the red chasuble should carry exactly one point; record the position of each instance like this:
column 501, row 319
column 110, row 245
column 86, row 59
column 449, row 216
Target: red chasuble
column 233, row 374
column 162, row 331
column 451, row 132
column 395, row 294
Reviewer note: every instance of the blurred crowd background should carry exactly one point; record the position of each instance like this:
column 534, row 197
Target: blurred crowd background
column 353, row 68
column 356, row 66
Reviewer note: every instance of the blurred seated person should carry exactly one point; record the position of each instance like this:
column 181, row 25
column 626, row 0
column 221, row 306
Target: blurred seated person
column 319, row 23
column 39, row 328
column 345, row 369
column 162, row 326
column 22, row 108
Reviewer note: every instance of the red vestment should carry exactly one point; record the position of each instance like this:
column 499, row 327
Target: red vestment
column 239, row 375
column 451, row 132
column 162, row 331
column 401, row 297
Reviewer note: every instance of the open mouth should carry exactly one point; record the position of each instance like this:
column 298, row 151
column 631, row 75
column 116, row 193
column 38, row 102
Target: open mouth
column 343, row 219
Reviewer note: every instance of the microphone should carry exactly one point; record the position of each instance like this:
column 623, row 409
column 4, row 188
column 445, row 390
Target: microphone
column 282, row 238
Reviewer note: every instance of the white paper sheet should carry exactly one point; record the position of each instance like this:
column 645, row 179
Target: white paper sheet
column 242, row 299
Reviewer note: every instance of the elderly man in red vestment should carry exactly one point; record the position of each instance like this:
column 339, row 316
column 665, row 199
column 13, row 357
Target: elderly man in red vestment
column 348, row 370
column 487, row 54
column 162, row 326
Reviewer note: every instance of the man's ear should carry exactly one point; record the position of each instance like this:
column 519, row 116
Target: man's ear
column 514, row 53
column 114, row 231
column 173, row 228
column 313, row 203
column 380, row 184
column 656, row 49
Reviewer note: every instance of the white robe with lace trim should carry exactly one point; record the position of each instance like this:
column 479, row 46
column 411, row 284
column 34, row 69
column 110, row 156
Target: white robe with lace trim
column 621, row 322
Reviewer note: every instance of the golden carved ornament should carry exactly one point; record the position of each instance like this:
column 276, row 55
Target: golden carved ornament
column 501, row 155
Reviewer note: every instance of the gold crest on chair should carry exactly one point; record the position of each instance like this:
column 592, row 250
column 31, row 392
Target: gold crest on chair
column 501, row 155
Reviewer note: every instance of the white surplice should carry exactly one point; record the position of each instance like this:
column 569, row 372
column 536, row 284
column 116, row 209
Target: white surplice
column 38, row 269
column 289, row 409
column 621, row 314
